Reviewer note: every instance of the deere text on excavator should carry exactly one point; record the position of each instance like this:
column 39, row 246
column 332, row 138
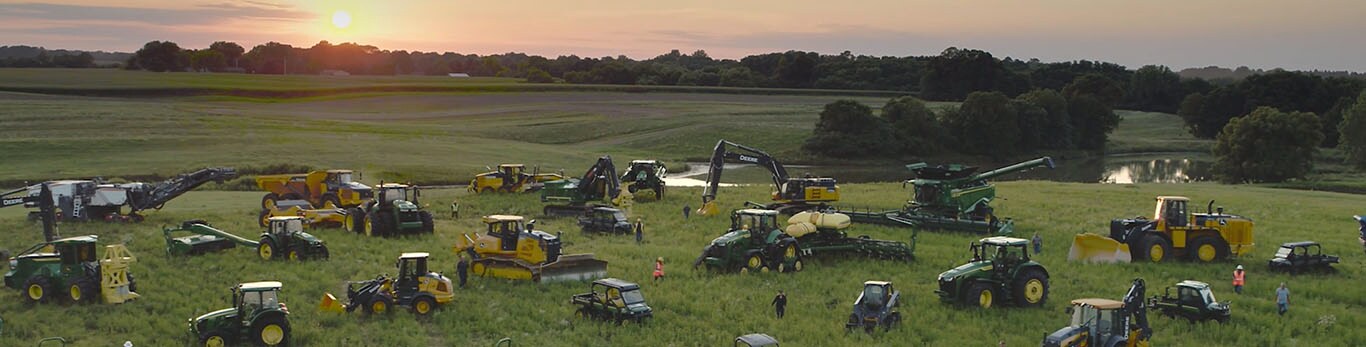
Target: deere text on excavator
column 794, row 194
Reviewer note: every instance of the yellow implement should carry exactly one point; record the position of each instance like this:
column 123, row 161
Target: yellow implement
column 331, row 304
column 114, row 274
column 1096, row 248
column 708, row 209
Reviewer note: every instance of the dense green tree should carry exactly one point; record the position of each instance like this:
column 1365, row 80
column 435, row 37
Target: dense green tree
column 1155, row 88
column 1214, row 111
column 699, row 78
column 536, row 75
column 955, row 73
column 914, row 125
column 1352, row 133
column 1092, row 121
column 1267, row 146
column 160, row 56
column 1332, row 119
column 986, row 124
column 1288, row 91
column 1053, row 128
column 739, row 76
column 230, row 50
column 1195, row 85
column 796, row 69
column 208, row 60
column 1055, row 76
column 1102, row 88
column 848, row 128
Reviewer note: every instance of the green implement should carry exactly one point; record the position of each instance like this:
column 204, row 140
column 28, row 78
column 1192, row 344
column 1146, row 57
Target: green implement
column 205, row 239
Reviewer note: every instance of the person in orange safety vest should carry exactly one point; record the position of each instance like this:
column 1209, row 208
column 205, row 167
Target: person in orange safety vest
column 1238, row 279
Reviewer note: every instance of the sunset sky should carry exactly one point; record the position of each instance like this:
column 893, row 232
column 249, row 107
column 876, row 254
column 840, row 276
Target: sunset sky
column 1318, row 34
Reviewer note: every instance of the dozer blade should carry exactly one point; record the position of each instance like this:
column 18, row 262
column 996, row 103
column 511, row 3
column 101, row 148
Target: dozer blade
column 331, row 304
column 708, row 209
column 1096, row 248
column 574, row 267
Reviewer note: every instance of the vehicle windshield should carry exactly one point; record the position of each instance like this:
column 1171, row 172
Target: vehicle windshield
column 619, row 215
column 1283, row 252
column 632, row 297
column 344, row 177
column 294, row 225
column 873, row 295
column 1208, row 295
column 1082, row 315
column 393, row 194
column 755, row 222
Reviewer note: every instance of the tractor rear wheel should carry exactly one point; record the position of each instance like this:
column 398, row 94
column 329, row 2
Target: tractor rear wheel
column 293, row 255
column 263, row 218
column 428, row 226
column 1207, row 249
column 271, row 331
column 266, row 249
column 39, row 288
column 379, row 304
column 892, row 319
column 1155, row 248
column 269, row 200
column 213, row 339
column 981, row 294
column 379, row 225
column 753, row 262
column 83, row 290
column 1031, row 288
column 424, row 305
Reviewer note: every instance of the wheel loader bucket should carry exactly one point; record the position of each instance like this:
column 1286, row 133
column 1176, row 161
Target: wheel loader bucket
column 331, row 304
column 1100, row 249
column 574, row 267
column 708, row 209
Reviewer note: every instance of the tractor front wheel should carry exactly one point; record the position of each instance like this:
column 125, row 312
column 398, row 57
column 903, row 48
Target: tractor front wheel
column 213, row 339
column 582, row 314
column 355, row 220
column 39, row 288
column 263, row 218
column 293, row 255
column 754, row 262
column 982, row 295
column 892, row 320
column 271, row 331
column 1031, row 288
column 428, row 226
column 1155, row 248
column 424, row 305
column 378, row 305
column 266, row 249
column 269, row 200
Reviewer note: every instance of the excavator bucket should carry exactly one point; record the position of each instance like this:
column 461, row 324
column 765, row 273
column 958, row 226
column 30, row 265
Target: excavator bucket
column 1096, row 248
column 708, row 209
column 574, row 267
column 331, row 304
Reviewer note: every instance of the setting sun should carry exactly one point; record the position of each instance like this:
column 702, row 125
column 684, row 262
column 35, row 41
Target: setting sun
column 341, row 19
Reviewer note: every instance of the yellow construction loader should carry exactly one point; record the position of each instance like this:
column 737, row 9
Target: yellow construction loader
column 1172, row 232
column 512, row 248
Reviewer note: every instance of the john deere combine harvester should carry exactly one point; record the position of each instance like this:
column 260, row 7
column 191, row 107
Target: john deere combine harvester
column 284, row 238
column 755, row 242
column 794, row 194
column 953, row 197
column 576, row 196
column 1172, row 231
column 512, row 248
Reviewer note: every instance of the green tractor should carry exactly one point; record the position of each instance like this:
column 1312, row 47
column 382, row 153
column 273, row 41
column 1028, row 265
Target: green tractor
column 257, row 318
column 393, row 211
column 1000, row 272
column 284, row 238
column 69, row 268
column 754, row 242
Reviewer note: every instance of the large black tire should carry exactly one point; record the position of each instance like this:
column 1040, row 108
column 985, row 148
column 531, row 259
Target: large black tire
column 214, row 339
column 1207, row 249
column 266, row 250
column 379, row 304
column 428, row 226
column 38, row 289
column 1155, row 249
column 982, row 295
column 332, row 198
column 891, row 321
column 264, row 331
column 379, row 225
column 262, row 217
column 84, row 290
column 582, row 314
column 355, row 220
column 268, row 200
column 1031, row 288
column 424, row 305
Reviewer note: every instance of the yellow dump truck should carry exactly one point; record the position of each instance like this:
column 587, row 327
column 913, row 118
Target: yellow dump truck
column 319, row 188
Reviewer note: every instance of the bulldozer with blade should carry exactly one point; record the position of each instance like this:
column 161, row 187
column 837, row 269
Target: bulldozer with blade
column 284, row 238
column 415, row 288
column 1000, row 272
column 578, row 196
column 950, row 197
column 257, row 317
column 511, row 178
column 645, row 175
column 1172, row 232
column 793, row 194
column 68, row 268
column 511, row 248
column 394, row 211
column 319, row 188
column 1105, row 322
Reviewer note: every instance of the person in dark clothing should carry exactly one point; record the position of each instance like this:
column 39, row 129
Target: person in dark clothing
column 462, row 270
column 686, row 210
column 1037, row 241
column 640, row 231
column 779, row 303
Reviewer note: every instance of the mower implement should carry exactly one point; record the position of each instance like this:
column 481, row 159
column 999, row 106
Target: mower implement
column 1172, row 232
column 513, row 249
column 67, row 268
column 283, row 238
column 415, row 287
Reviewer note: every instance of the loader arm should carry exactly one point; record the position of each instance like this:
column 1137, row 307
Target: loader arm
column 1136, row 307
column 604, row 170
column 744, row 154
column 156, row 195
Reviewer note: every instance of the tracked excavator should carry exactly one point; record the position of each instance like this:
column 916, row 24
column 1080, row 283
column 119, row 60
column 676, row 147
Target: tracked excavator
column 1106, row 323
column 794, row 194
column 84, row 200
column 512, row 248
column 578, row 196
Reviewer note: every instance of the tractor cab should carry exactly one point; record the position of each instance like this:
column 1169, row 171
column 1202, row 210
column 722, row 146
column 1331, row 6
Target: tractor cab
column 813, row 189
column 754, row 220
column 875, row 294
column 756, row 340
column 511, row 172
column 1095, row 321
column 1001, row 249
column 389, row 193
column 414, row 279
column 257, row 316
column 286, row 225
column 255, row 297
column 605, row 219
column 69, row 255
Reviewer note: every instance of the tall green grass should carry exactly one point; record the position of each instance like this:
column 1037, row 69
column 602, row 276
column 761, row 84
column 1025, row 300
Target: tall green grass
column 697, row 308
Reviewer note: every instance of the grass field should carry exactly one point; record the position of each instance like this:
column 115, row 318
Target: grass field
column 697, row 308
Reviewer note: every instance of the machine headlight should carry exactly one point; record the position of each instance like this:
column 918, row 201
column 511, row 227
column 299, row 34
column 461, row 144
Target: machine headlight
column 13, row 263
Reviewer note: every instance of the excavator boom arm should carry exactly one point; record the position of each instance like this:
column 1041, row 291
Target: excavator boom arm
column 1135, row 306
column 605, row 170
column 160, row 193
column 747, row 155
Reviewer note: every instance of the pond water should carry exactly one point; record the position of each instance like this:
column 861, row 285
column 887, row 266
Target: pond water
column 1110, row 170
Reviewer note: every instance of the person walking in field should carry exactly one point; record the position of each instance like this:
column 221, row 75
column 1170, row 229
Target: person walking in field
column 462, row 269
column 455, row 209
column 640, row 231
column 779, row 304
column 1038, row 243
column 1283, row 298
column 659, row 269
column 688, row 209
column 1238, row 277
